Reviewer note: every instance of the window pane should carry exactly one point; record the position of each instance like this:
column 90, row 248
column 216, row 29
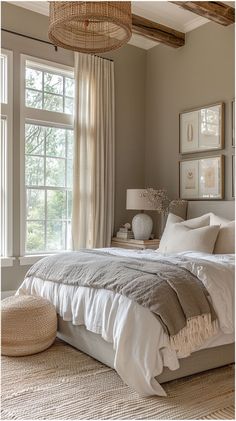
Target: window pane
column 34, row 171
column 3, row 93
column 34, row 139
column 69, row 173
column 55, row 142
column 53, row 83
column 55, row 172
column 56, row 204
column 35, row 236
column 35, row 204
column 33, row 79
column 70, row 143
column 69, row 105
column 69, row 86
column 53, row 103
column 55, row 236
column 33, row 99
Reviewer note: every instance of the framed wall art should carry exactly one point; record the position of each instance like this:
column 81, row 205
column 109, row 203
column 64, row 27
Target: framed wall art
column 202, row 178
column 202, row 129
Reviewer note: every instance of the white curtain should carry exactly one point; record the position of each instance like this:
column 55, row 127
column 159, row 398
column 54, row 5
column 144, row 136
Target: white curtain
column 93, row 177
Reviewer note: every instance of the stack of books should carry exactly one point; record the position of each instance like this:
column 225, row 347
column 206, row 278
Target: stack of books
column 125, row 234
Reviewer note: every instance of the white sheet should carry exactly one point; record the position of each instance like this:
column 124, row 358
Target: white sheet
column 133, row 330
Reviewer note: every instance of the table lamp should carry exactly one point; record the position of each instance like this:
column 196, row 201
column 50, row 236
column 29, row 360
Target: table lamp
column 142, row 223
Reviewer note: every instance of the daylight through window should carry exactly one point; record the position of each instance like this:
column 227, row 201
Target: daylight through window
column 48, row 139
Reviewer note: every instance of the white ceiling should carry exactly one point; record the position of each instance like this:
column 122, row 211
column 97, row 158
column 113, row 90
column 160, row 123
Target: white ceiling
column 161, row 12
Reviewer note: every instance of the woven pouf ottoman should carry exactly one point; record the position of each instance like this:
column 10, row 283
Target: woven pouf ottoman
column 29, row 325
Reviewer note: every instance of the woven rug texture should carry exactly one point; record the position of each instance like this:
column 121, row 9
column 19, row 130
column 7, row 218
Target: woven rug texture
column 63, row 383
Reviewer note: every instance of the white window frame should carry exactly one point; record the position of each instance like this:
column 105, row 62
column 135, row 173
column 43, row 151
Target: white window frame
column 37, row 116
column 7, row 113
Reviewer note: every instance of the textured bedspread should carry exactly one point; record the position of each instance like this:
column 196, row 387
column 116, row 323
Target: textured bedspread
column 171, row 292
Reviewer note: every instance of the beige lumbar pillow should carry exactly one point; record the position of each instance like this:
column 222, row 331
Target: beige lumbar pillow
column 225, row 242
column 182, row 238
column 172, row 219
column 201, row 221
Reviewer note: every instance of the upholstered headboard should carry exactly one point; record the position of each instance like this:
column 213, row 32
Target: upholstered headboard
column 226, row 209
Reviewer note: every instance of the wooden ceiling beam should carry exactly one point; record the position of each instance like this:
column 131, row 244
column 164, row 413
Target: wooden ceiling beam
column 157, row 32
column 214, row 10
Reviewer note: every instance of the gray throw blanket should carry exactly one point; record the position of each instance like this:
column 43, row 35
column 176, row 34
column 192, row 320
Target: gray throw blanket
column 170, row 292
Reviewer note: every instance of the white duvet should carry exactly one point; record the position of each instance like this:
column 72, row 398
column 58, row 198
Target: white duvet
column 141, row 346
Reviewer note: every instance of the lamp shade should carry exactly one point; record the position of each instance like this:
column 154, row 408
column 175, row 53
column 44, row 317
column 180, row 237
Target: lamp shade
column 90, row 26
column 136, row 201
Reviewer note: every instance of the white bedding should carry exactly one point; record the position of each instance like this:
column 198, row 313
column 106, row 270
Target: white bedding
column 134, row 330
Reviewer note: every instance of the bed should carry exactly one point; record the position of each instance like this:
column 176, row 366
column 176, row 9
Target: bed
column 128, row 337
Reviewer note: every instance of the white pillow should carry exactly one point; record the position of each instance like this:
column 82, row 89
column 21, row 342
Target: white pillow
column 200, row 221
column 172, row 219
column 218, row 220
column 182, row 238
column 225, row 242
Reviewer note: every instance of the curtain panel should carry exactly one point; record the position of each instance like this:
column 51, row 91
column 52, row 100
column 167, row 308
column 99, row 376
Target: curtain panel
column 94, row 149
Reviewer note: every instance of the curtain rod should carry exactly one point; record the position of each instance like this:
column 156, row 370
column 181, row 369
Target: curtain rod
column 29, row 37
column 41, row 40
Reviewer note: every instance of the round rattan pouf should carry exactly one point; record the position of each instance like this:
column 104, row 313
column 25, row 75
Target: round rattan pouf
column 29, row 325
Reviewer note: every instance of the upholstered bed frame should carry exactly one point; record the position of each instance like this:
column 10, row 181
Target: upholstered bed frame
column 206, row 359
column 95, row 346
column 223, row 208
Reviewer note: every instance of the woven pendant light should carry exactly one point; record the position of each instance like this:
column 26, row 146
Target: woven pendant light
column 90, row 26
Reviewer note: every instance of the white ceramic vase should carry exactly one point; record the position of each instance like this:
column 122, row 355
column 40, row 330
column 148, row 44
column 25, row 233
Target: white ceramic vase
column 142, row 226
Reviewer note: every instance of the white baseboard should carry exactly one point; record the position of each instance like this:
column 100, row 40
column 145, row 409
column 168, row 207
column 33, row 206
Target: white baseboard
column 5, row 294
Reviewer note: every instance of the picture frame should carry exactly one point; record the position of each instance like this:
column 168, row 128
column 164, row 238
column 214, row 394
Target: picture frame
column 202, row 129
column 202, row 178
column 233, row 122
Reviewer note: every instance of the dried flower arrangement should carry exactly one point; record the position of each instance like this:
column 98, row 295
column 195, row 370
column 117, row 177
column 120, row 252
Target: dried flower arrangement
column 160, row 200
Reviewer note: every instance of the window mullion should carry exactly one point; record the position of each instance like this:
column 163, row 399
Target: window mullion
column 46, row 220
column 64, row 81
column 42, row 90
column 30, row 186
column 45, row 194
column 46, row 92
column 50, row 118
column 66, row 210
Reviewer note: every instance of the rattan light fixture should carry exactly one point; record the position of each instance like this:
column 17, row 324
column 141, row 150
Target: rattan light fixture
column 90, row 26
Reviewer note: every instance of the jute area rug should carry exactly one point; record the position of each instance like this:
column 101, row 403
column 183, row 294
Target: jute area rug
column 63, row 383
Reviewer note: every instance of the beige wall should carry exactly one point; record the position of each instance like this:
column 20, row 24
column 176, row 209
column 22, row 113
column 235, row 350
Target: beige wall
column 130, row 102
column 200, row 73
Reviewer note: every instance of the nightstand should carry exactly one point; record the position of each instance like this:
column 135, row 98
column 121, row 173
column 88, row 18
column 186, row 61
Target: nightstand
column 135, row 244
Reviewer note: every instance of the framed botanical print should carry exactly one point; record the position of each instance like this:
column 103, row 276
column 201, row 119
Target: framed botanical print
column 189, row 179
column 202, row 129
column 202, row 178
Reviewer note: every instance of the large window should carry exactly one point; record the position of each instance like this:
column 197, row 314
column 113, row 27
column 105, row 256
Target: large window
column 47, row 120
column 6, row 156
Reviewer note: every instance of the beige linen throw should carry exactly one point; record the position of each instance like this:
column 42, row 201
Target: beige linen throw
column 169, row 291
